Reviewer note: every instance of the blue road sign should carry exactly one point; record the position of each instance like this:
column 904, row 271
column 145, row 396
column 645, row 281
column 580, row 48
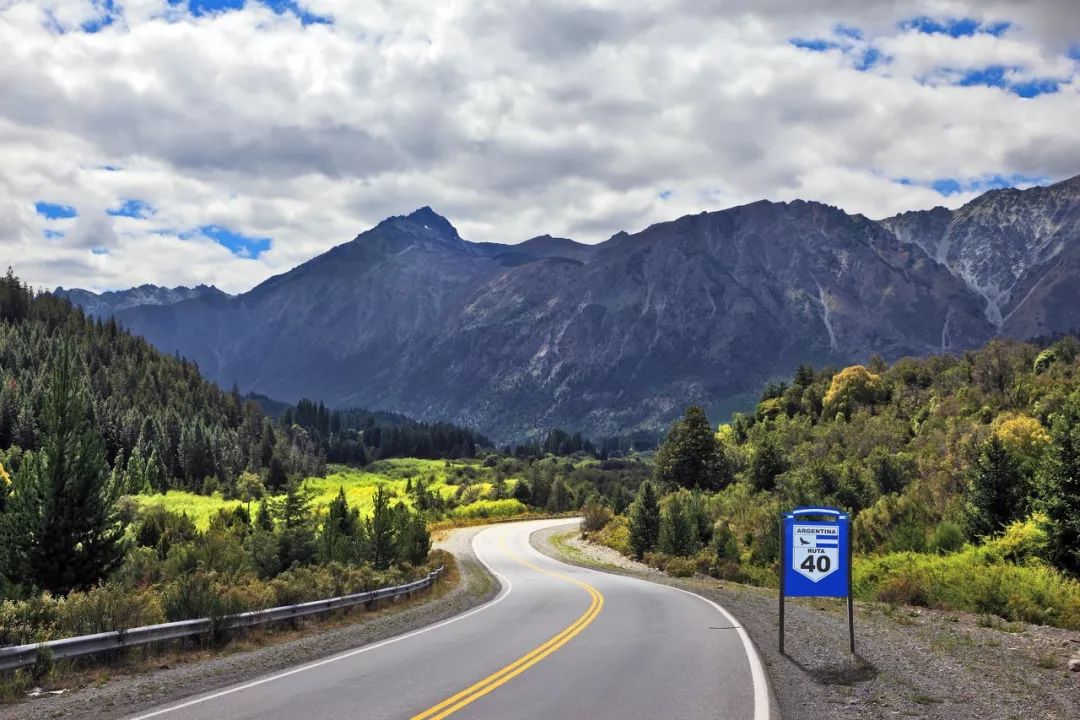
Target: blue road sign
column 816, row 553
column 815, row 559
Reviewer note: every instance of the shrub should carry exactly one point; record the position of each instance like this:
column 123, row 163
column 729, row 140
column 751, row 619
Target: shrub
column 615, row 535
column 976, row 580
column 105, row 608
column 681, row 566
column 594, row 516
column 947, row 537
column 29, row 621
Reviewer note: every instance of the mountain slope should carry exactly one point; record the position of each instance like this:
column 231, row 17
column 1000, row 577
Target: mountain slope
column 1003, row 244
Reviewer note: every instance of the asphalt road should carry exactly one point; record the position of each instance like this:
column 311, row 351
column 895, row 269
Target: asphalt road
column 558, row 642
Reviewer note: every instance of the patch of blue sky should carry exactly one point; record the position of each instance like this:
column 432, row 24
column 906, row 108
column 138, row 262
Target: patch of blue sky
column 138, row 209
column 954, row 27
column 990, row 76
column 1000, row 76
column 199, row 8
column 870, row 57
column 54, row 211
column 99, row 251
column 666, row 194
column 947, row 186
column 52, row 234
column 1036, row 87
column 848, row 31
column 1074, row 52
column 847, row 39
column 107, row 11
column 237, row 243
column 951, row 186
column 814, row 44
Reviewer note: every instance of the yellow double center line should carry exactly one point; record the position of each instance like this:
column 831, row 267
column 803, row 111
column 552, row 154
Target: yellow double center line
column 454, row 703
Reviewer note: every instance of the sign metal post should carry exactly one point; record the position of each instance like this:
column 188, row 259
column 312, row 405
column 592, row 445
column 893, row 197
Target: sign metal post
column 815, row 559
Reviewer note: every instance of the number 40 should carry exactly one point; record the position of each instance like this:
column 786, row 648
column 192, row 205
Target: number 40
column 822, row 565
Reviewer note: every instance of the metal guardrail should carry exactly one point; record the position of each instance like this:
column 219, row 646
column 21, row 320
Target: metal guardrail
column 19, row 656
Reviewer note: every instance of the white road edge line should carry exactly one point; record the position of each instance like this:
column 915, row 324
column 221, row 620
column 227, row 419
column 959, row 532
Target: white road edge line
column 757, row 670
column 507, row 588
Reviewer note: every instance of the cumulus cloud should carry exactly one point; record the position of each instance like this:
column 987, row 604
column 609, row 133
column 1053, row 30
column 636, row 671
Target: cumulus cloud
column 513, row 118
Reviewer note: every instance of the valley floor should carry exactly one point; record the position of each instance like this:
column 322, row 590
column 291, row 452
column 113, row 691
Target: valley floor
column 911, row 662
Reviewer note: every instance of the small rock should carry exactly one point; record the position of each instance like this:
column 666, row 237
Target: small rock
column 1074, row 664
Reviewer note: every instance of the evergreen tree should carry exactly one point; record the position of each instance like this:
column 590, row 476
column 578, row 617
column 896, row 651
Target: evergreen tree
column 276, row 478
column 677, row 535
column 644, row 521
column 1060, row 485
column 767, row 462
column 559, row 498
column 412, row 536
column 691, row 456
column 296, row 533
column 264, row 518
column 522, row 493
column 338, row 539
column 380, row 531
column 63, row 519
column 993, row 491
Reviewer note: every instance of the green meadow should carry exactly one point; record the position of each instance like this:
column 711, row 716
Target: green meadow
column 466, row 481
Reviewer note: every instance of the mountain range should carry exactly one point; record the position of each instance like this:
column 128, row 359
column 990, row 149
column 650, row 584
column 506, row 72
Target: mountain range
column 619, row 336
column 102, row 305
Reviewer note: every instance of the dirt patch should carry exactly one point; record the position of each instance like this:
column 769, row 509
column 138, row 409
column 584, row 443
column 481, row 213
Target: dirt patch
column 121, row 690
column 911, row 662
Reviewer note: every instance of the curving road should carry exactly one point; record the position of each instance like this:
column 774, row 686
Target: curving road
column 558, row 642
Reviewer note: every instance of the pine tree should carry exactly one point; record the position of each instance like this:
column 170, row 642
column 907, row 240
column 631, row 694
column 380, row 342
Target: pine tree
column 993, row 490
column 522, row 492
column 276, row 478
column 296, row 534
column 677, row 535
column 559, row 498
column 644, row 521
column 68, row 534
column 337, row 541
column 1060, row 486
column 413, row 539
column 379, row 531
column 766, row 464
column 690, row 456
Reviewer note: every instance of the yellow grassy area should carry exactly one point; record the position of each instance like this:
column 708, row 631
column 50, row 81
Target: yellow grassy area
column 359, row 485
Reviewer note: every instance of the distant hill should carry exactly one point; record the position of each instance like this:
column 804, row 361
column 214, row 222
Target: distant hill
column 620, row 336
column 109, row 303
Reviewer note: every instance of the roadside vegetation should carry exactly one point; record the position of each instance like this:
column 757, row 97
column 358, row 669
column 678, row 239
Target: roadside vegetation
column 962, row 475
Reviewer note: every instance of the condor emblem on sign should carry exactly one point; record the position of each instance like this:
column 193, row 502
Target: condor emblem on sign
column 815, row 551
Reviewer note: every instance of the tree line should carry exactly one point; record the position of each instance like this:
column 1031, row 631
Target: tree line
column 357, row 436
column 162, row 426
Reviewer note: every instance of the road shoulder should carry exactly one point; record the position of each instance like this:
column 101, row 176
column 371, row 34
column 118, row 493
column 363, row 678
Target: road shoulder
column 912, row 662
column 124, row 690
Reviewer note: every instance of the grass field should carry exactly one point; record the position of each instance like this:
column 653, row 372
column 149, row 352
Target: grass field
column 444, row 477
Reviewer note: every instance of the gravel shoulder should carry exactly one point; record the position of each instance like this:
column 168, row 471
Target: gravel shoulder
column 122, row 690
column 911, row 662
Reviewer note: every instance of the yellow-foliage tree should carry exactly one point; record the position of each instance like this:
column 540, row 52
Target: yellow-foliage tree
column 850, row 387
column 1023, row 436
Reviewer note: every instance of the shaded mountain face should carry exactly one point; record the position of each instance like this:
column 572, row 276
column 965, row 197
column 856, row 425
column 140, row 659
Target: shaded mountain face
column 622, row 335
column 109, row 303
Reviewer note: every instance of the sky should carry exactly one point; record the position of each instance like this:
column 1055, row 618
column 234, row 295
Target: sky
column 225, row 141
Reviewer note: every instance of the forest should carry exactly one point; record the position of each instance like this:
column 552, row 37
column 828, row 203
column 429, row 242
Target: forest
column 961, row 472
